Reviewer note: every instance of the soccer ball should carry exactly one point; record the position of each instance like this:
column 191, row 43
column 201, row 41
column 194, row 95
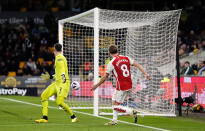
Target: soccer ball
column 75, row 85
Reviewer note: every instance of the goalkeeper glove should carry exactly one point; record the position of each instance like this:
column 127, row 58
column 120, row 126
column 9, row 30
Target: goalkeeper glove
column 45, row 76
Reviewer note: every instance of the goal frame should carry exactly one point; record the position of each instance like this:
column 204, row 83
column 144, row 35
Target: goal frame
column 96, row 107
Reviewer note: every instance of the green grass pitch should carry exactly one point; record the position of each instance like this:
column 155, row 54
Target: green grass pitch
column 18, row 116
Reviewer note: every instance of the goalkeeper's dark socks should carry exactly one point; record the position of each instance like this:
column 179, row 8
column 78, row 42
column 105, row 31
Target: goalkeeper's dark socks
column 73, row 116
column 45, row 117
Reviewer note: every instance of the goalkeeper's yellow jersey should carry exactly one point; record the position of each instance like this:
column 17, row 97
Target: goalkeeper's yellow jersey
column 61, row 69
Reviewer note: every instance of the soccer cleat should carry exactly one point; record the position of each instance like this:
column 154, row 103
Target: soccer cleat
column 74, row 120
column 134, row 113
column 41, row 121
column 111, row 123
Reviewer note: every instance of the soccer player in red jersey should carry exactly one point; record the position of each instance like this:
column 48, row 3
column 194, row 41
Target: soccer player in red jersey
column 120, row 67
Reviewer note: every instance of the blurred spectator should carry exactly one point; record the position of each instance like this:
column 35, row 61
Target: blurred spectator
column 180, row 37
column 36, row 72
column 90, row 76
column 45, row 67
column 195, row 48
column 183, row 50
column 12, row 37
column 189, row 69
column 194, row 67
column 44, row 42
column 26, row 70
column 200, row 46
column 31, row 64
column 201, row 67
column 102, row 70
column 192, row 37
column 182, row 68
column 27, row 46
column 42, row 52
column 87, row 67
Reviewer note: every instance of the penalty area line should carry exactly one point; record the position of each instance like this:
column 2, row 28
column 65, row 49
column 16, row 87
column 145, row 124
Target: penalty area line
column 129, row 123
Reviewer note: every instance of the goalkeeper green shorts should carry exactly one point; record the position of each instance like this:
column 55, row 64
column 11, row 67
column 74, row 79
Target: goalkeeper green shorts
column 61, row 89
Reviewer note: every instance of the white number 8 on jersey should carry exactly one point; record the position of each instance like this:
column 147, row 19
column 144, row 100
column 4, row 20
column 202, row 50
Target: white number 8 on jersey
column 125, row 70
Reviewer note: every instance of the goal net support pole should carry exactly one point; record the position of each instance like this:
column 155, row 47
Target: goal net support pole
column 96, row 58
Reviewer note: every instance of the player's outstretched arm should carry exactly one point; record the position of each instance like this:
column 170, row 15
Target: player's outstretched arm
column 102, row 80
column 142, row 70
column 45, row 76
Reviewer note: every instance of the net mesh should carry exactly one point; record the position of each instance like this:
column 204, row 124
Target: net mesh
column 147, row 37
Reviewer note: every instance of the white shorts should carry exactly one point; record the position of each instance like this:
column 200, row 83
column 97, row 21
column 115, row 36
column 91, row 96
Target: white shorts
column 119, row 95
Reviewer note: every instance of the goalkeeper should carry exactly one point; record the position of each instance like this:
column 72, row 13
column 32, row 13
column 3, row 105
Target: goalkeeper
column 60, row 87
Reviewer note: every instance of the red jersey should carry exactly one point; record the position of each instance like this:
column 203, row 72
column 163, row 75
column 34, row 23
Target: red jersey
column 120, row 67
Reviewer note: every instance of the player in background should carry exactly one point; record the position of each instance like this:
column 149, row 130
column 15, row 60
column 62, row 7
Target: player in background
column 60, row 87
column 120, row 67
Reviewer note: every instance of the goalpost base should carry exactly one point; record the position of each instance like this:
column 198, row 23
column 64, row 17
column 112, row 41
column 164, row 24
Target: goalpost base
column 140, row 114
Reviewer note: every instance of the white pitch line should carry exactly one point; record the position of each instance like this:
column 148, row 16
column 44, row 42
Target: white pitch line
column 33, row 124
column 28, row 103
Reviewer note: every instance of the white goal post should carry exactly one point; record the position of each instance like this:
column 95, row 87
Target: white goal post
column 147, row 37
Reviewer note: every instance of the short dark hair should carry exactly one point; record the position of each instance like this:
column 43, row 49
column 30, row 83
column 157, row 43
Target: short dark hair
column 187, row 62
column 58, row 47
column 113, row 49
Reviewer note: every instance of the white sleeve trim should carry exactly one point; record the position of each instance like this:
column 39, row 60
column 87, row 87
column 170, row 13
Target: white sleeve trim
column 131, row 61
column 110, row 67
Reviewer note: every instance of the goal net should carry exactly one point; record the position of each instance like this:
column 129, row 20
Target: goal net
column 147, row 37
